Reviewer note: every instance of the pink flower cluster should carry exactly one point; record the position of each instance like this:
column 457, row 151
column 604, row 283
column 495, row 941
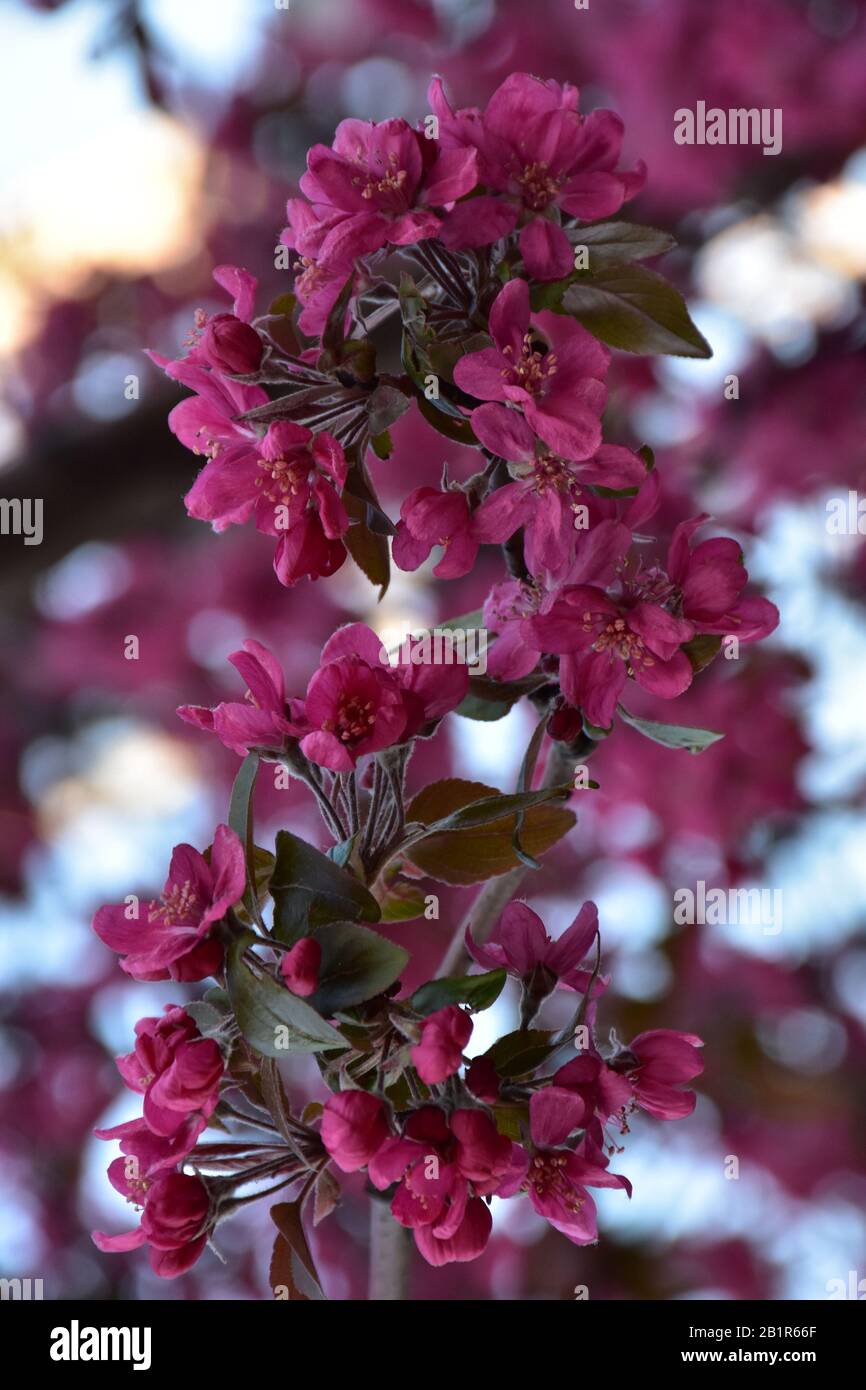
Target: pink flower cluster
column 355, row 703
column 179, row 1073
column 447, row 1157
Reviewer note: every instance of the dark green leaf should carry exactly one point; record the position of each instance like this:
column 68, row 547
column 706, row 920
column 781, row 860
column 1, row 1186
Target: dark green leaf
column 357, row 964
column 272, row 1019
column 702, row 650
column 478, row 852
column 620, row 241
column 632, row 308
column 519, row 1053
column 489, row 699
column 478, row 991
column 309, row 889
column 241, row 822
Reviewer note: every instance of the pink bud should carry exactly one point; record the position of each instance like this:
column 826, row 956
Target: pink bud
column 300, row 967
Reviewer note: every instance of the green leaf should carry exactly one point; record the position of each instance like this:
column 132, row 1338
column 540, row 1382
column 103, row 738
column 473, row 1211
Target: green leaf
column 385, row 405
column 702, row 650
column 357, row 964
column 208, row 1018
column 489, row 699
column 404, row 900
column 478, row 991
column 620, row 241
column 630, row 307
column 309, row 889
column 524, row 782
column 672, row 735
column 477, row 852
column 241, row 822
column 272, row 1019
column 382, row 445
column 493, row 808
column 369, row 549
column 519, row 1053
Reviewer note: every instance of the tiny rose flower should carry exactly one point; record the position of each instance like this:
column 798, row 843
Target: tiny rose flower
column 444, row 1035
column 559, row 391
column 354, row 1128
column 173, row 1222
column 443, row 1166
column 292, row 471
column 545, row 491
column 430, row 517
column 172, row 939
column 299, row 967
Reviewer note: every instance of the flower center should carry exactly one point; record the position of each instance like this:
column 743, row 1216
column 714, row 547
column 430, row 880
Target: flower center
column 618, row 639
column 550, row 472
column 179, row 905
column 355, row 719
column 547, row 1179
column 537, row 185
column 384, row 185
column 532, row 369
column 308, row 278
column 281, row 479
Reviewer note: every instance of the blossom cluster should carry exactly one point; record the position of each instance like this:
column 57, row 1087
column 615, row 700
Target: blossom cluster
column 463, row 233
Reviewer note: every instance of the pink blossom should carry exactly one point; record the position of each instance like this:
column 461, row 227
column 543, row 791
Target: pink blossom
column 291, row 472
column 375, row 187
column 546, row 490
column 710, row 579
column 358, row 703
column 443, row 1166
column 299, row 967
column 430, row 517
column 354, row 1128
column 656, row 1064
column 522, row 946
column 172, row 939
column 444, row 1035
column 318, row 285
column 560, row 392
column 176, row 1070
column 208, row 423
column 556, row 1177
column 603, row 643
column 536, row 154
column 173, row 1222
column 228, row 342
column 510, row 604
column 265, row 719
